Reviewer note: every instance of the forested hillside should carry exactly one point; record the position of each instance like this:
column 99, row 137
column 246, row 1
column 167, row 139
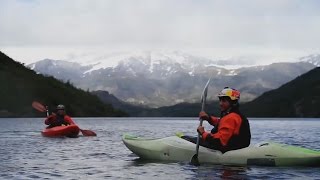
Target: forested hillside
column 297, row 98
column 19, row 86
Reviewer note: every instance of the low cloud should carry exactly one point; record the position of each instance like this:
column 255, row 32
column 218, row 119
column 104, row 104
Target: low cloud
column 175, row 24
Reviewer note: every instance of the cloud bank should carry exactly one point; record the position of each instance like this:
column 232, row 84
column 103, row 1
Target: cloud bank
column 285, row 26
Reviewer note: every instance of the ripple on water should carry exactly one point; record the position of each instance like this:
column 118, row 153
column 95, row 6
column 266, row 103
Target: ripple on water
column 27, row 155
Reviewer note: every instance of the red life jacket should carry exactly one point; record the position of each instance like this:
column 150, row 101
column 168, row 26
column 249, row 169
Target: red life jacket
column 55, row 120
column 230, row 133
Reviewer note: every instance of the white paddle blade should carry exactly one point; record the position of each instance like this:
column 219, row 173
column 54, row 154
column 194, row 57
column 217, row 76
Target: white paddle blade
column 204, row 94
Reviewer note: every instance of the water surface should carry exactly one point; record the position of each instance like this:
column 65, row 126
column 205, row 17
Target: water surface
column 25, row 154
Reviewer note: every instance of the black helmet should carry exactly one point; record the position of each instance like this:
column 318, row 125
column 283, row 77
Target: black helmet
column 60, row 107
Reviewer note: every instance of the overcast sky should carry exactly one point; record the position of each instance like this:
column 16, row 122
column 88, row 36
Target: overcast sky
column 35, row 29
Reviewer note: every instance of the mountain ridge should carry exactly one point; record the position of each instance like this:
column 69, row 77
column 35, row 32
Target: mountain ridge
column 167, row 83
column 297, row 98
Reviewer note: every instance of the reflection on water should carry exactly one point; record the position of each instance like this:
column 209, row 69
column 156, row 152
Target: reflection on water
column 25, row 154
column 221, row 172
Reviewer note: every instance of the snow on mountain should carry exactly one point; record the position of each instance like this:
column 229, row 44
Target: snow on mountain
column 152, row 60
column 159, row 78
column 56, row 67
column 313, row 59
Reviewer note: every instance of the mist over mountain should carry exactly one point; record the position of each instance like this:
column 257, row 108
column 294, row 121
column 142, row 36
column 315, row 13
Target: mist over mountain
column 313, row 59
column 157, row 79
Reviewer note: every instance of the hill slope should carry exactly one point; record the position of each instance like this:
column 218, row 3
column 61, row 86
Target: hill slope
column 132, row 110
column 20, row 86
column 297, row 98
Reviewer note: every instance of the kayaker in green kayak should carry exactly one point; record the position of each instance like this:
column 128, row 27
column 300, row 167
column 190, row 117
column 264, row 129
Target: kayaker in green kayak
column 231, row 131
column 59, row 118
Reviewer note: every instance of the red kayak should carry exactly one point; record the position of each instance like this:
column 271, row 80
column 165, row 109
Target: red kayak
column 61, row 131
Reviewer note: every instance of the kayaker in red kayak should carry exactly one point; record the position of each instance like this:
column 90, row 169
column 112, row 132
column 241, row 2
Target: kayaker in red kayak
column 59, row 119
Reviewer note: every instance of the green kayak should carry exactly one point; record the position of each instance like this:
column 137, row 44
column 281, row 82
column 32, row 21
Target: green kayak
column 174, row 148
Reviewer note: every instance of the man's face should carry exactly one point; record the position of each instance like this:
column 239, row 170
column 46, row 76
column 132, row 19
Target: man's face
column 61, row 112
column 224, row 103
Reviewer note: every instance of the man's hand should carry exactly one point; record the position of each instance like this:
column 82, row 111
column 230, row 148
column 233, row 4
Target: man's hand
column 204, row 116
column 50, row 119
column 200, row 130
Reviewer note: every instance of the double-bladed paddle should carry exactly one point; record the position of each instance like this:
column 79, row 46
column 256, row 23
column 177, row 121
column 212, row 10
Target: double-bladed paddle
column 38, row 106
column 194, row 159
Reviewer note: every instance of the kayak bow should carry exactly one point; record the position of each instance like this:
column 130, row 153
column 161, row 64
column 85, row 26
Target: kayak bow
column 61, row 131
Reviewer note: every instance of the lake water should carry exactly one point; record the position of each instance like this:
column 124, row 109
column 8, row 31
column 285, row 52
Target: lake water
column 25, row 154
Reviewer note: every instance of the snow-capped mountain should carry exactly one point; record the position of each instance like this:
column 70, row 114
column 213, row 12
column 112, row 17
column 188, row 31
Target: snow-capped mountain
column 58, row 68
column 151, row 61
column 161, row 78
column 313, row 59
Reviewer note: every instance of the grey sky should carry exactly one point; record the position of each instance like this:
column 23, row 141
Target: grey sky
column 270, row 26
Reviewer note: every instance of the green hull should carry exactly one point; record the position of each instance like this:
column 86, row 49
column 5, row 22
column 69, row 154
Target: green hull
column 264, row 154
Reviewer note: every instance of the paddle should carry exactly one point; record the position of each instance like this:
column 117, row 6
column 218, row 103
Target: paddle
column 38, row 106
column 194, row 159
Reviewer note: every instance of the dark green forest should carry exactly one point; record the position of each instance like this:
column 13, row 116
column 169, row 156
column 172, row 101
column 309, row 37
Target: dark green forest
column 297, row 98
column 20, row 86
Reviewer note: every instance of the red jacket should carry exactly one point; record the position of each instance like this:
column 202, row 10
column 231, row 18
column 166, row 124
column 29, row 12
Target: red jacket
column 52, row 119
column 228, row 126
